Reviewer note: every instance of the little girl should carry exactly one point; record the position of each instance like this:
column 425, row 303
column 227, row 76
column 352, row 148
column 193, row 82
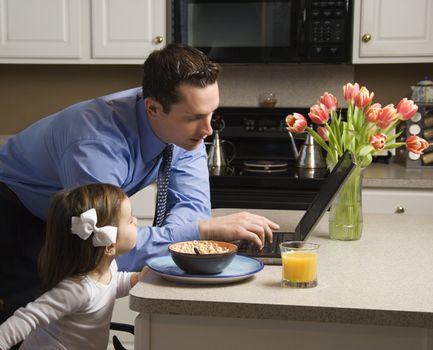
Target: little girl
column 87, row 228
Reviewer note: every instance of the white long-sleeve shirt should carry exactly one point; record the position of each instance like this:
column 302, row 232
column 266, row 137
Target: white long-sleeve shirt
column 75, row 314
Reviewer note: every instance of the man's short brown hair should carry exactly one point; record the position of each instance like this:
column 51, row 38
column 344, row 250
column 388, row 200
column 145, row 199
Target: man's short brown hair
column 165, row 69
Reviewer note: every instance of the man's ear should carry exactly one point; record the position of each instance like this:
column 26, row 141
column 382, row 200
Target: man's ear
column 153, row 107
column 110, row 250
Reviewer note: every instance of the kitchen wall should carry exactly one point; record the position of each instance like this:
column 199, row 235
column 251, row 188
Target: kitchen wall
column 29, row 92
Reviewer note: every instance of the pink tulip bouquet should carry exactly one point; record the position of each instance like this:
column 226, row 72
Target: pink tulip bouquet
column 368, row 129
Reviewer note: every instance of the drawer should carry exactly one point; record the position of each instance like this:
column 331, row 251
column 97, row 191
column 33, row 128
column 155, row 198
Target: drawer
column 386, row 201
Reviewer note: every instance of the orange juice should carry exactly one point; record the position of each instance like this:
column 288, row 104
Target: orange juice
column 299, row 266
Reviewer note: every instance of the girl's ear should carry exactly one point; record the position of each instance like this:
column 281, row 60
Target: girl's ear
column 110, row 250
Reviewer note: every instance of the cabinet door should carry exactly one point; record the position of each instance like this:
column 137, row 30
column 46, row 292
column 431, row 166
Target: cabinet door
column 122, row 314
column 393, row 31
column 127, row 29
column 27, row 31
column 143, row 204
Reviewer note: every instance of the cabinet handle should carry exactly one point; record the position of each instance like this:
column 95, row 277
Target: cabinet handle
column 158, row 39
column 366, row 37
column 399, row 210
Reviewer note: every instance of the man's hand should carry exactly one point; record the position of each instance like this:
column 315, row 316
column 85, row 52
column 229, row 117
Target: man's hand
column 242, row 225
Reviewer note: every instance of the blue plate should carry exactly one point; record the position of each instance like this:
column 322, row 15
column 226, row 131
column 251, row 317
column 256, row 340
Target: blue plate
column 240, row 268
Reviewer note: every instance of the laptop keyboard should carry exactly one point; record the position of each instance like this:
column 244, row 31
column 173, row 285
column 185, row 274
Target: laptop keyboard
column 269, row 250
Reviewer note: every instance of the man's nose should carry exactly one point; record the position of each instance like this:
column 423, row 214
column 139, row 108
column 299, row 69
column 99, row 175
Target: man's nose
column 207, row 128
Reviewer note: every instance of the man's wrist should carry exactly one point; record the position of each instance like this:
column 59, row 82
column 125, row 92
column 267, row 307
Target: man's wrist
column 203, row 228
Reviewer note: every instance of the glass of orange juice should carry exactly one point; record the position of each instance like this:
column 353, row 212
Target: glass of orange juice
column 299, row 262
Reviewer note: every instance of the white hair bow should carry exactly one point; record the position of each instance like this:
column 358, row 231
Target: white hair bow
column 85, row 225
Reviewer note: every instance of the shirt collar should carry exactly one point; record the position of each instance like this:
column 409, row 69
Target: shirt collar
column 151, row 145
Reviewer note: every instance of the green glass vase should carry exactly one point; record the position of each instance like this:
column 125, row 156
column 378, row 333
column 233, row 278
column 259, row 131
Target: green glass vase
column 345, row 216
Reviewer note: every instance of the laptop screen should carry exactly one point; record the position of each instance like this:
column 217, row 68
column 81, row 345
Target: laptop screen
column 324, row 198
column 270, row 254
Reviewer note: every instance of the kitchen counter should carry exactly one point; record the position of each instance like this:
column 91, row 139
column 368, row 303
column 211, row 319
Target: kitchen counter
column 397, row 176
column 383, row 282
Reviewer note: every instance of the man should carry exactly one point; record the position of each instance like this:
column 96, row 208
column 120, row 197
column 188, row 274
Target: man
column 118, row 139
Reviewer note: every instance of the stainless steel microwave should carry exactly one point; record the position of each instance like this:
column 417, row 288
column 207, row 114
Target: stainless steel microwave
column 266, row 30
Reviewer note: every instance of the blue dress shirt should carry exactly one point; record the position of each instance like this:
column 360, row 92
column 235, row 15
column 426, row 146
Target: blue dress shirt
column 108, row 140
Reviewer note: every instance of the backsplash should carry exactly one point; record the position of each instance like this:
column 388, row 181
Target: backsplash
column 30, row 92
column 295, row 85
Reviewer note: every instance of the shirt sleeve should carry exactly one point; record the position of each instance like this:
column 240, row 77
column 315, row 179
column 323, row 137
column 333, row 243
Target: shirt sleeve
column 89, row 161
column 188, row 202
column 123, row 280
column 62, row 300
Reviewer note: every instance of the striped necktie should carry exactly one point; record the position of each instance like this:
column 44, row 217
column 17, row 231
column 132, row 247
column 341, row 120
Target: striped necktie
column 162, row 185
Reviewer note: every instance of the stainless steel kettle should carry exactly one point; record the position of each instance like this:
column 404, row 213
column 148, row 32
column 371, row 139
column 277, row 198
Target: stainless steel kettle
column 218, row 161
column 217, row 156
column 310, row 155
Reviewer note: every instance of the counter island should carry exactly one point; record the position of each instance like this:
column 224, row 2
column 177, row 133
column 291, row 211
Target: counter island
column 375, row 293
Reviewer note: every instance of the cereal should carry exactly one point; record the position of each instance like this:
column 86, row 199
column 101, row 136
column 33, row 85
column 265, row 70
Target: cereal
column 202, row 247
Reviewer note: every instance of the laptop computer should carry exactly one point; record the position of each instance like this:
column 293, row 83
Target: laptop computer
column 270, row 254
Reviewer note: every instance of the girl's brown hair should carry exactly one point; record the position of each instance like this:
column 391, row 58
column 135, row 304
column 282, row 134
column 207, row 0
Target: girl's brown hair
column 65, row 254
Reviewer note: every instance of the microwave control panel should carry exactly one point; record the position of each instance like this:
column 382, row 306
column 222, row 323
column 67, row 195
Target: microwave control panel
column 328, row 27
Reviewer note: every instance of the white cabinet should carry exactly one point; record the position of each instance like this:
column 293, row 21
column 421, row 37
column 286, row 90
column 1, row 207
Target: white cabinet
column 393, row 31
column 123, row 314
column 143, row 205
column 126, row 29
column 389, row 200
column 40, row 29
column 81, row 31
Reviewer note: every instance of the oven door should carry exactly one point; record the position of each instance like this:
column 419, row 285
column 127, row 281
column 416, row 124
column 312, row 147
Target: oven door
column 240, row 30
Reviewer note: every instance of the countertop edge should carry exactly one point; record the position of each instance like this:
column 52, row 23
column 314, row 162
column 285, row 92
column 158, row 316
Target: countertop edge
column 416, row 184
column 283, row 312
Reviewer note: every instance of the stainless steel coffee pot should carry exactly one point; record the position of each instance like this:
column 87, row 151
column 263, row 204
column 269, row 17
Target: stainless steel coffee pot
column 309, row 155
column 217, row 156
column 218, row 160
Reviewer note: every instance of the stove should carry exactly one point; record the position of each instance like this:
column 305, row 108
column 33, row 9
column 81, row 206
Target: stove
column 263, row 173
column 265, row 166
column 288, row 188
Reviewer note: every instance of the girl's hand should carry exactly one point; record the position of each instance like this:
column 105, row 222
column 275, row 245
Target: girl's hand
column 137, row 276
